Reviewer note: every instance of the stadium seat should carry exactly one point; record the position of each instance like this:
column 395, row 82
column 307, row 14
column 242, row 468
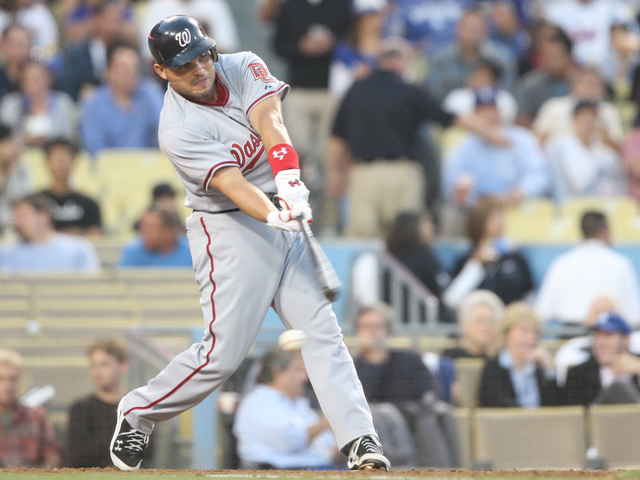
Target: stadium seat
column 80, row 291
column 531, row 222
column 83, row 179
column 615, row 433
column 156, row 275
column 463, row 425
column 622, row 212
column 184, row 289
column 15, row 308
column 467, row 384
column 92, row 308
column 551, row 437
column 127, row 178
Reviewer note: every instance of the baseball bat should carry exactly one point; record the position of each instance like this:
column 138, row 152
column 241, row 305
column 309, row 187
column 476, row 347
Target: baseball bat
column 325, row 273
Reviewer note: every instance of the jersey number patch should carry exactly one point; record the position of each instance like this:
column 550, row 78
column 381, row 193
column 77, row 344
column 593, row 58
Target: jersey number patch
column 260, row 72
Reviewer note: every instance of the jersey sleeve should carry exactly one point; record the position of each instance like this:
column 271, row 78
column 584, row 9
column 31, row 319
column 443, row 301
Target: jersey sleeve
column 195, row 155
column 258, row 83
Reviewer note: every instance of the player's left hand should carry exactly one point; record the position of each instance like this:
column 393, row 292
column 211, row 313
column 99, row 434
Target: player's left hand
column 292, row 191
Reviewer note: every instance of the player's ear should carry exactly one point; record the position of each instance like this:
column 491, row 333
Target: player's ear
column 160, row 70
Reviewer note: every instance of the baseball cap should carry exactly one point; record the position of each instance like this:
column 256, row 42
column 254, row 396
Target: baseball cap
column 612, row 323
column 163, row 190
column 486, row 96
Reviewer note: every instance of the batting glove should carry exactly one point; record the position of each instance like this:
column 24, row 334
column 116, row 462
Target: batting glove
column 292, row 191
column 287, row 219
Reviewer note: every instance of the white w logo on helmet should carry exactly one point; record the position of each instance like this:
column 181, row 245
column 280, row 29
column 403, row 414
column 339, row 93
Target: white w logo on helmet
column 184, row 37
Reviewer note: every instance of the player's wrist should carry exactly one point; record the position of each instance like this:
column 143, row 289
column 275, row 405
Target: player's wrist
column 283, row 157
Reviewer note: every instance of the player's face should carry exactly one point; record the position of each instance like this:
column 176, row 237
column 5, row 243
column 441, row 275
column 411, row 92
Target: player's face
column 195, row 79
column 9, row 379
column 106, row 371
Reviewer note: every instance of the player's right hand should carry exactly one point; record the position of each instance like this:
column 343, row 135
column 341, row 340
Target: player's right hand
column 287, row 220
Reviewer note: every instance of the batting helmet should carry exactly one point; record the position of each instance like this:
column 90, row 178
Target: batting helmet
column 177, row 40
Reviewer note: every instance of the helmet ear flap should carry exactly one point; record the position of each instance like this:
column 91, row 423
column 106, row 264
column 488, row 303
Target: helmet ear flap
column 214, row 53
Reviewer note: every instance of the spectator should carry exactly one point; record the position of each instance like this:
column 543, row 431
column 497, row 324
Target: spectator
column 36, row 111
column 549, row 79
column 14, row 176
column 582, row 165
column 27, row 439
column 492, row 263
column 479, row 315
column 453, row 65
column 15, row 49
column 40, row 248
column 631, row 162
column 591, row 269
column 162, row 242
column 588, row 23
column 477, row 168
column 462, row 101
column 165, row 195
column 275, row 425
column 611, row 374
column 522, row 375
column 400, row 378
column 373, row 152
column 35, row 16
column 620, row 64
column 125, row 111
column 507, row 28
column 77, row 18
column 92, row 419
column 71, row 211
column 429, row 25
column 215, row 16
column 83, row 65
column 556, row 114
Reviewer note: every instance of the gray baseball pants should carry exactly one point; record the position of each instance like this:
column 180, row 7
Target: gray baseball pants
column 243, row 266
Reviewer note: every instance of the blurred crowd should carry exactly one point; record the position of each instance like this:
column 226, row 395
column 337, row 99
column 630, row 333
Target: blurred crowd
column 413, row 119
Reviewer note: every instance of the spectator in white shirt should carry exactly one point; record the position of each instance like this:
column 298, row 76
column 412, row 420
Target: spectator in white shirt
column 275, row 425
column 588, row 271
column 581, row 164
column 556, row 114
column 40, row 248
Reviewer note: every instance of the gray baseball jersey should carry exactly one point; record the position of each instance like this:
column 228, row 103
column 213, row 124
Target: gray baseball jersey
column 199, row 139
column 242, row 265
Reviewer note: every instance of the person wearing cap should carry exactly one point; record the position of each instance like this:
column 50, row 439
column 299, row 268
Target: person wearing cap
column 373, row 155
column 582, row 164
column 477, row 168
column 612, row 373
column 125, row 111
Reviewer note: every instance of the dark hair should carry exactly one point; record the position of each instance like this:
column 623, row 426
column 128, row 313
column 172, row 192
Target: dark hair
column 60, row 142
column 110, row 346
column 585, row 105
column 275, row 360
column 39, row 201
column 384, row 309
column 478, row 217
column 593, row 223
column 491, row 66
column 5, row 132
column 561, row 37
column 169, row 218
column 163, row 190
column 403, row 235
column 115, row 46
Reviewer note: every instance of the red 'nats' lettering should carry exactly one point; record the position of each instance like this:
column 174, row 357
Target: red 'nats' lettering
column 248, row 154
column 260, row 72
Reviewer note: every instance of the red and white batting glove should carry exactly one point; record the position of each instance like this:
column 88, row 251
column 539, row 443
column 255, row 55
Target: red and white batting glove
column 292, row 191
column 287, row 220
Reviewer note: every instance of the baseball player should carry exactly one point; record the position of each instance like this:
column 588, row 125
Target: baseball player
column 221, row 127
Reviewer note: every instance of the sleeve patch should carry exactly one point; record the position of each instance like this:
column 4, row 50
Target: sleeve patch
column 260, row 72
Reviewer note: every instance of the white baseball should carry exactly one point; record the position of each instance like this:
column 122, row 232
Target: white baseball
column 292, row 340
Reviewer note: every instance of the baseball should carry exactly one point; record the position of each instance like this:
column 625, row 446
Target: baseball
column 292, row 340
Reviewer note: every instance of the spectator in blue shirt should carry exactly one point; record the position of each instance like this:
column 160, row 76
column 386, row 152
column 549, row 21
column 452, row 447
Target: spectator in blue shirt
column 161, row 243
column 476, row 168
column 42, row 249
column 125, row 111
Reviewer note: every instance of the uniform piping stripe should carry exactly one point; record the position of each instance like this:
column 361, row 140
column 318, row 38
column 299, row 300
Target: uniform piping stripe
column 207, row 179
column 269, row 94
column 255, row 159
column 213, row 337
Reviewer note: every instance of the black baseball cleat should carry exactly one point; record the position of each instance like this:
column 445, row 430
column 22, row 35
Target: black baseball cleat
column 127, row 445
column 366, row 453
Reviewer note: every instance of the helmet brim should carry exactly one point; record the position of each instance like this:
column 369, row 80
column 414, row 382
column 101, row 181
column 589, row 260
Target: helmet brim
column 191, row 52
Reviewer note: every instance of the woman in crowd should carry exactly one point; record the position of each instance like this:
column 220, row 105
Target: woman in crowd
column 492, row 263
column 36, row 110
column 522, row 374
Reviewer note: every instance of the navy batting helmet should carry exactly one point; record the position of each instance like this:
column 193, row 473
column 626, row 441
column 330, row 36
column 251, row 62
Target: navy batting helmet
column 177, row 40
